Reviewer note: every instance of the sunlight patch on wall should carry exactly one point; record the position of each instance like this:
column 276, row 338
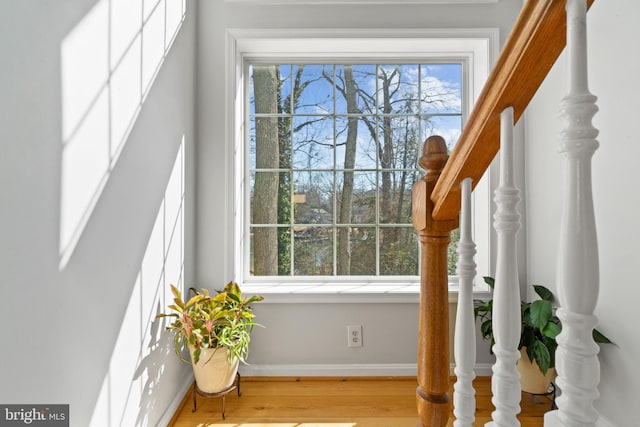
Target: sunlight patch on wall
column 108, row 64
column 129, row 394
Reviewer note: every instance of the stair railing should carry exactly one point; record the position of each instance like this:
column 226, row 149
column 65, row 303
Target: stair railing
column 505, row 383
column 464, row 347
column 537, row 39
column 577, row 275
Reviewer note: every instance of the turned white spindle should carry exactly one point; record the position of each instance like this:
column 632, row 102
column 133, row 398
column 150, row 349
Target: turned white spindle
column 505, row 384
column 464, row 401
column 577, row 275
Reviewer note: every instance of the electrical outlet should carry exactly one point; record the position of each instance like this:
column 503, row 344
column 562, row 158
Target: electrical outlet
column 354, row 336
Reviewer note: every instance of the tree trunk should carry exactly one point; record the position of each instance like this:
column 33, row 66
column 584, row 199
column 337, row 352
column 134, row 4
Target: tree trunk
column 386, row 162
column 285, row 108
column 265, row 194
column 408, row 142
column 346, row 202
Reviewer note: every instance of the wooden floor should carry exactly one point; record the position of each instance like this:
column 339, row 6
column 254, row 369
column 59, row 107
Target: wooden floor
column 335, row 402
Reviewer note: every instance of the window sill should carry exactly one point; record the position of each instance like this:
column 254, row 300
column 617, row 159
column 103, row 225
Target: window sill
column 349, row 293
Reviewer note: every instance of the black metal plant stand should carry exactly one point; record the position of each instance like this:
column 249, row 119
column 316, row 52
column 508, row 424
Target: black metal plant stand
column 553, row 390
column 223, row 393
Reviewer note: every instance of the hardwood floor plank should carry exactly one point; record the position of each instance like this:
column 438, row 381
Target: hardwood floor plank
column 343, row 387
column 334, row 402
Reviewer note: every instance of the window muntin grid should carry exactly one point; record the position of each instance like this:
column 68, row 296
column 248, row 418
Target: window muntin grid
column 396, row 107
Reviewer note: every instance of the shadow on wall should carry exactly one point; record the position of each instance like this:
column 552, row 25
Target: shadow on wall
column 108, row 64
column 94, row 314
column 151, row 370
column 130, row 393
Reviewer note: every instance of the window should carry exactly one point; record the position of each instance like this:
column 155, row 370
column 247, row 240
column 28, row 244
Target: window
column 333, row 153
column 326, row 147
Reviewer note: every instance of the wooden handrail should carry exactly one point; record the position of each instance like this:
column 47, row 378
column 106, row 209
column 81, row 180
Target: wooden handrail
column 537, row 39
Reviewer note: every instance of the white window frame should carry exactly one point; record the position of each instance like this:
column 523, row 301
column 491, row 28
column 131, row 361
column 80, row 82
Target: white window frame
column 476, row 48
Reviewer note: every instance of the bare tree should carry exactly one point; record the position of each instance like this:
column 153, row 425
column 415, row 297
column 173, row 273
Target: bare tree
column 291, row 127
column 349, row 92
column 265, row 211
column 386, row 154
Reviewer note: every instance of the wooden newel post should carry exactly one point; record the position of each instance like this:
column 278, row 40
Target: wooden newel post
column 434, row 404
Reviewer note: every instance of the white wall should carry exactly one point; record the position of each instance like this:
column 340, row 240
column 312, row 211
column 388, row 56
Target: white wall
column 310, row 339
column 614, row 69
column 390, row 330
column 81, row 330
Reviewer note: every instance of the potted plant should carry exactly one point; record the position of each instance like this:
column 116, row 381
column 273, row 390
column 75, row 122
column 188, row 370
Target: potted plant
column 216, row 330
column 540, row 327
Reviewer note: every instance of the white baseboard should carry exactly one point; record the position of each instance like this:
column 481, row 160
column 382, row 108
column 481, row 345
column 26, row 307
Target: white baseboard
column 175, row 403
column 481, row 369
column 330, row 370
column 344, row 370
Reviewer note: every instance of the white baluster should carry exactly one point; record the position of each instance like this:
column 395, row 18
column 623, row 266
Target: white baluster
column 464, row 402
column 505, row 384
column 577, row 275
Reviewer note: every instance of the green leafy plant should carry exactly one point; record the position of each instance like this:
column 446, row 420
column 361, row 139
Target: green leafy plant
column 540, row 326
column 212, row 321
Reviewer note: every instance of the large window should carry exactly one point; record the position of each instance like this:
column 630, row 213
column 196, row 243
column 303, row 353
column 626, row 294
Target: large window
column 333, row 152
column 327, row 128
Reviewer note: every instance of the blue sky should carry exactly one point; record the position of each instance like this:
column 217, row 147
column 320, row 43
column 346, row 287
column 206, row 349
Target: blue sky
column 438, row 86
